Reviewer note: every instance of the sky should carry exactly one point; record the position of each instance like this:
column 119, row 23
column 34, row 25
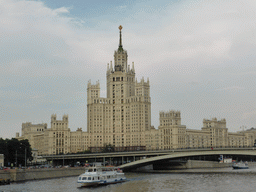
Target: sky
column 199, row 56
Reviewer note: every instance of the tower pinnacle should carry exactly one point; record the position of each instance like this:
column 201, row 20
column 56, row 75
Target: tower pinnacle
column 120, row 40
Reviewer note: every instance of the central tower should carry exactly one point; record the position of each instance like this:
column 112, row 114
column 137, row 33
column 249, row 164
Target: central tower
column 122, row 118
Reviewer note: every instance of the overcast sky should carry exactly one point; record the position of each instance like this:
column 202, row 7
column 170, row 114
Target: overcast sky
column 199, row 56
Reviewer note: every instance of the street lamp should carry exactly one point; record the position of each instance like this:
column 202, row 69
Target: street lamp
column 16, row 158
column 25, row 155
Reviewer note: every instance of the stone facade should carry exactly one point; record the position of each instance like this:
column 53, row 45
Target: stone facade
column 123, row 120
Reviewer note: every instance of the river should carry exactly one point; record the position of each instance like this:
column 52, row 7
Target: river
column 222, row 179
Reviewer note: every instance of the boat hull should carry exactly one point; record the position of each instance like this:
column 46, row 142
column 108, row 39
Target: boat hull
column 240, row 167
column 101, row 183
column 112, row 182
column 88, row 184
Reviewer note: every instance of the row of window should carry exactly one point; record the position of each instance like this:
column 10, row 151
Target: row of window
column 130, row 79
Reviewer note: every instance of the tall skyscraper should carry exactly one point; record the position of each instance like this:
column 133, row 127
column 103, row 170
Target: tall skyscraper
column 122, row 118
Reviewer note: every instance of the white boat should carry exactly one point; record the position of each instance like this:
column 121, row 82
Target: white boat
column 100, row 175
column 240, row 165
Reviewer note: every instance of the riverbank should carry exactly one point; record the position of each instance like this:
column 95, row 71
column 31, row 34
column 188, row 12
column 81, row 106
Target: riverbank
column 19, row 175
column 16, row 175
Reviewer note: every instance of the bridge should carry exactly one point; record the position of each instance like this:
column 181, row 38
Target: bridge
column 135, row 159
column 187, row 154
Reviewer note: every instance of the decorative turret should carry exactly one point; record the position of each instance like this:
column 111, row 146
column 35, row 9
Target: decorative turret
column 169, row 118
column 53, row 117
column 93, row 91
column 142, row 88
column 214, row 123
column 65, row 118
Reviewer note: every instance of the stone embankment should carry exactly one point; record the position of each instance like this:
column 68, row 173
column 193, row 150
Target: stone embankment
column 35, row 174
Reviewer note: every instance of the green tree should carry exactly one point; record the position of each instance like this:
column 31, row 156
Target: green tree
column 12, row 145
column 25, row 148
column 83, row 152
column 108, row 148
column 15, row 151
column 3, row 149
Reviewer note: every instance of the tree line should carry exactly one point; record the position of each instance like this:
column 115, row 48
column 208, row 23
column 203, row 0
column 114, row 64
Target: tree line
column 15, row 152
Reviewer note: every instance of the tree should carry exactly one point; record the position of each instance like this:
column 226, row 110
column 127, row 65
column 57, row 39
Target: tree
column 12, row 146
column 15, row 151
column 108, row 148
column 25, row 148
column 83, row 152
column 3, row 149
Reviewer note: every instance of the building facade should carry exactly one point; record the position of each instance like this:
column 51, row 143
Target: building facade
column 123, row 120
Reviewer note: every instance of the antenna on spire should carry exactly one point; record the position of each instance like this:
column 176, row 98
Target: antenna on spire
column 120, row 40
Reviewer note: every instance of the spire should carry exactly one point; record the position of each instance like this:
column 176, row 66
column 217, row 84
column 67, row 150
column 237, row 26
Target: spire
column 120, row 40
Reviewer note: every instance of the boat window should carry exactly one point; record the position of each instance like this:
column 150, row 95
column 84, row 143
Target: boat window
column 98, row 178
column 94, row 170
column 89, row 178
column 79, row 178
column 84, row 178
column 93, row 178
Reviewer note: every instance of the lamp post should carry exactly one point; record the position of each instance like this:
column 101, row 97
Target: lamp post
column 16, row 159
column 25, row 157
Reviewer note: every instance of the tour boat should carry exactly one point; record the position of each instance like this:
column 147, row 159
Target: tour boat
column 100, row 175
column 240, row 165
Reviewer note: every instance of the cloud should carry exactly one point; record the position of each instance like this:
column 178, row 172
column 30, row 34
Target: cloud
column 234, row 88
column 249, row 115
column 61, row 10
column 47, row 56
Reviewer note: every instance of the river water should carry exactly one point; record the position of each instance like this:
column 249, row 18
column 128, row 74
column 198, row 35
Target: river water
column 222, row 179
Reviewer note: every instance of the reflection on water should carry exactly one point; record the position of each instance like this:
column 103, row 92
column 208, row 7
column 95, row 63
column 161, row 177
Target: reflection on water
column 227, row 180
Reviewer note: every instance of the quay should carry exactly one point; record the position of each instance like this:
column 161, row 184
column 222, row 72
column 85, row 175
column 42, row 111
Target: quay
column 17, row 175
column 192, row 166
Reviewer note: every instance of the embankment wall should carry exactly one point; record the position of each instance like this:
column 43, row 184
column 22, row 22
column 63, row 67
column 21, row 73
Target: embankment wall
column 34, row 174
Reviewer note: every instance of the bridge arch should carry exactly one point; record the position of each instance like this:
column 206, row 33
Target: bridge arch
column 173, row 155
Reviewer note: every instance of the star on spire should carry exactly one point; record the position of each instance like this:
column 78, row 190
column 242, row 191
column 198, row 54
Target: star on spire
column 120, row 40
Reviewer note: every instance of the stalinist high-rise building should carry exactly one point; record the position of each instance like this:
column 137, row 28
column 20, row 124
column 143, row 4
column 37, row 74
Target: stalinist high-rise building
column 122, row 118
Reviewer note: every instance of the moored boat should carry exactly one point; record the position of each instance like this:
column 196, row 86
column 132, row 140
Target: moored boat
column 240, row 165
column 100, row 175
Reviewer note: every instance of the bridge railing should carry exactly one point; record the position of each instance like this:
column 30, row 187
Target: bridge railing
column 159, row 152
